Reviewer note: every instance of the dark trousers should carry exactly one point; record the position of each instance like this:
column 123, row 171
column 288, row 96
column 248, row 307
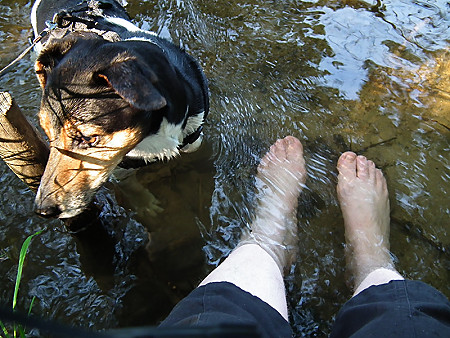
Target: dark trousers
column 397, row 309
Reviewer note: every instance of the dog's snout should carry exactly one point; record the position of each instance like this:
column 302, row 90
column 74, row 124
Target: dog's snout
column 48, row 211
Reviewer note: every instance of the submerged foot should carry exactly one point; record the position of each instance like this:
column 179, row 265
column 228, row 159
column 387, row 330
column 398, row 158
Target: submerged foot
column 279, row 181
column 363, row 197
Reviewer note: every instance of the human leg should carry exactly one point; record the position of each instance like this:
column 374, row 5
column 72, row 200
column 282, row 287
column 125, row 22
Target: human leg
column 256, row 265
column 383, row 304
column 247, row 287
column 363, row 197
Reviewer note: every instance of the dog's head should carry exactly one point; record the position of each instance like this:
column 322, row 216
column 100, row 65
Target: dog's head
column 95, row 96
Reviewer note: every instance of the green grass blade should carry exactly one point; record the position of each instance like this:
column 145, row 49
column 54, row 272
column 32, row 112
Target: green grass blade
column 23, row 253
column 22, row 332
column 31, row 305
column 5, row 331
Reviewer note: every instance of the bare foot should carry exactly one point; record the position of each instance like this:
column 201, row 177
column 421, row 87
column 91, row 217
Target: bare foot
column 281, row 176
column 363, row 197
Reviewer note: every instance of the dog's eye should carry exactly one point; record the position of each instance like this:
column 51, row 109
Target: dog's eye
column 87, row 141
column 101, row 80
column 92, row 141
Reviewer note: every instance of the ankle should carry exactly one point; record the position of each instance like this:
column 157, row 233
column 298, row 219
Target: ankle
column 377, row 277
column 361, row 264
column 282, row 248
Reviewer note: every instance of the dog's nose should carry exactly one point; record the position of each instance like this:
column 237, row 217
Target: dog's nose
column 50, row 211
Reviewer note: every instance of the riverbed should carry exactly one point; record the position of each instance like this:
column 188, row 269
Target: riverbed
column 369, row 76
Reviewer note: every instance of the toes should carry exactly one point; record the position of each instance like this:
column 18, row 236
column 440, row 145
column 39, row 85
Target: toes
column 362, row 167
column 347, row 165
column 286, row 148
column 380, row 179
column 293, row 142
column 294, row 147
column 284, row 162
column 272, row 155
column 372, row 170
column 278, row 150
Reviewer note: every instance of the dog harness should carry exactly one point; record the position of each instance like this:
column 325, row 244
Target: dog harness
column 87, row 16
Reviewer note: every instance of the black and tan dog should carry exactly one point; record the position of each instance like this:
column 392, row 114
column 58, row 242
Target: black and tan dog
column 112, row 94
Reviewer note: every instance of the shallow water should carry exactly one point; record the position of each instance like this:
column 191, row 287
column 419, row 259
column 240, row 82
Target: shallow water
column 339, row 75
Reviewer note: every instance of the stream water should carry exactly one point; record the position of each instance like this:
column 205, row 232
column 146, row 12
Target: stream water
column 368, row 76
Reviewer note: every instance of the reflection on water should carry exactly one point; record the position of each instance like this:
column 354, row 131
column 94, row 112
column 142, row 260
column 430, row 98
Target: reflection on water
column 368, row 76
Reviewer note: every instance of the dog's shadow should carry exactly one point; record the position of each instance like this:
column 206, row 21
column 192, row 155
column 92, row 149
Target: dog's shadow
column 145, row 224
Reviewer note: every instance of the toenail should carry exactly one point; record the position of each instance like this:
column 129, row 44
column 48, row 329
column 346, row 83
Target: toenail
column 291, row 139
column 349, row 156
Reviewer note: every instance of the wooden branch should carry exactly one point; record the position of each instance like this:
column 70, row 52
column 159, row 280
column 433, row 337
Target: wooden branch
column 26, row 154
column 21, row 146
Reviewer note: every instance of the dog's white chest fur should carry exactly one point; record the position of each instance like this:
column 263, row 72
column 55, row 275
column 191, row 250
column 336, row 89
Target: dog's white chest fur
column 166, row 142
column 162, row 145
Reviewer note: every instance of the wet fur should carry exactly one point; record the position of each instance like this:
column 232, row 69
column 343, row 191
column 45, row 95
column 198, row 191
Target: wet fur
column 105, row 102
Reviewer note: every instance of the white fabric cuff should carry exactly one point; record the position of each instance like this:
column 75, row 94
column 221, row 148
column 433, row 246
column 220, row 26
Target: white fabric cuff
column 378, row 277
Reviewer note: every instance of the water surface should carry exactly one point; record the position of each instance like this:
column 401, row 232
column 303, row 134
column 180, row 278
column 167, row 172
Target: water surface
column 366, row 76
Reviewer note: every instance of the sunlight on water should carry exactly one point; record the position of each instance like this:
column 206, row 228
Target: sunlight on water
column 339, row 75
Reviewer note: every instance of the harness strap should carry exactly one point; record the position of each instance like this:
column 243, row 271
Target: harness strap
column 64, row 19
column 191, row 138
column 84, row 17
column 50, row 27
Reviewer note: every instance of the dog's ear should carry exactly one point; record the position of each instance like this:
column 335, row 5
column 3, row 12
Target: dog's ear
column 134, row 83
column 50, row 57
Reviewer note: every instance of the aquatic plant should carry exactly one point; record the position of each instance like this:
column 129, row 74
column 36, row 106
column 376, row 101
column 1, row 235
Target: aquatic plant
column 18, row 330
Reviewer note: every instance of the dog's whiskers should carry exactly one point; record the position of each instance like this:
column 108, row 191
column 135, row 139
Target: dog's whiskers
column 83, row 157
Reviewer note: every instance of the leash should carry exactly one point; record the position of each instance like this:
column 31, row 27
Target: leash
column 50, row 27
column 63, row 20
